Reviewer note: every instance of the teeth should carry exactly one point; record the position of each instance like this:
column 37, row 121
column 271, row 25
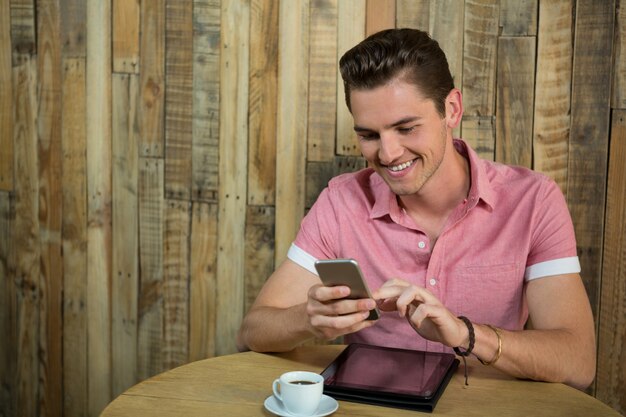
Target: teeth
column 400, row 167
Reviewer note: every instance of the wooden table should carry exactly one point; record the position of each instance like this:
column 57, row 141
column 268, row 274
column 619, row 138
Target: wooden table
column 237, row 385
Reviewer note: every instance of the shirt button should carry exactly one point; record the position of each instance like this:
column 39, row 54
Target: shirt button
column 421, row 244
column 433, row 281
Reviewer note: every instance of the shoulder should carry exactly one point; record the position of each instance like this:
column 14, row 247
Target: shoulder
column 512, row 179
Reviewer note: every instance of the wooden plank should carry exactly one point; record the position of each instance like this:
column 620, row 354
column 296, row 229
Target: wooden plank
column 25, row 237
column 50, row 205
column 515, row 89
column 259, row 258
column 552, row 90
column 350, row 31
column 206, row 100
column 479, row 58
column 178, row 98
column 446, row 27
column 151, row 78
column 150, row 307
column 262, row 102
column 291, row 131
column 176, row 283
column 413, row 14
column 480, row 133
column 125, row 231
column 588, row 148
column 379, row 15
column 98, row 129
column 73, row 31
column 126, row 36
column 618, row 96
column 612, row 315
column 23, row 29
column 518, row 18
column 8, row 319
column 322, row 81
column 6, row 100
column 234, row 78
column 74, row 237
column 202, row 289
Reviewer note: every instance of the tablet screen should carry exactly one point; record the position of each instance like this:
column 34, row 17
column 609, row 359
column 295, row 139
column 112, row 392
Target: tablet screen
column 388, row 370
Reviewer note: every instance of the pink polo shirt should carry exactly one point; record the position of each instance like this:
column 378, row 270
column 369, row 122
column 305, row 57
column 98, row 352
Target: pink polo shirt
column 513, row 227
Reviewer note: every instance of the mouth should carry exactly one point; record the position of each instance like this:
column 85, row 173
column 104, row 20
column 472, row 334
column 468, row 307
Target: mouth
column 402, row 166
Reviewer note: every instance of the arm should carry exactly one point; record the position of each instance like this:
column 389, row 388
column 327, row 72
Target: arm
column 293, row 307
column 559, row 348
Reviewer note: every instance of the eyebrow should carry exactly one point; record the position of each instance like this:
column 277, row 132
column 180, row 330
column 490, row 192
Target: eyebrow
column 402, row 121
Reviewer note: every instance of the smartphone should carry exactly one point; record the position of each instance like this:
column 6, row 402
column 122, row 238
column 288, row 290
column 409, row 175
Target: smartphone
column 346, row 272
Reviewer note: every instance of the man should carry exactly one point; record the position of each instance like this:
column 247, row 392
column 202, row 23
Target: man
column 460, row 252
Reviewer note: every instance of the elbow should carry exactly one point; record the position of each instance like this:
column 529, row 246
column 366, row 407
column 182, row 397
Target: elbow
column 584, row 375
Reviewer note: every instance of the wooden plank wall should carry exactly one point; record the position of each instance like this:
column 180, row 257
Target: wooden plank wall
column 156, row 158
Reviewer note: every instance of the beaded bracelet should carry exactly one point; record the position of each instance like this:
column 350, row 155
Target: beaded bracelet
column 470, row 347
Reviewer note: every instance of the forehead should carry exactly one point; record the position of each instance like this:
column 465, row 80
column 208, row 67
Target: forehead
column 394, row 100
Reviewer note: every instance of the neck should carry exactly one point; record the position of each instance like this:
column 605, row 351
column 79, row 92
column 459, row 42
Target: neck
column 443, row 192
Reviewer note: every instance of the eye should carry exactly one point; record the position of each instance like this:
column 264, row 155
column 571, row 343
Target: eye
column 406, row 130
column 367, row 136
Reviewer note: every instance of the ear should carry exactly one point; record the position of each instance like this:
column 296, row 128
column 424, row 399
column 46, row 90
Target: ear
column 454, row 108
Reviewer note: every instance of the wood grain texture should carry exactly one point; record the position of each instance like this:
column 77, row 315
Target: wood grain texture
column 73, row 31
column 413, row 14
column 178, row 98
column 588, row 149
column 23, row 29
column 480, row 133
column 612, row 315
column 125, row 225
column 350, row 31
column 152, row 78
column 518, row 18
column 259, row 265
column 74, row 238
column 262, row 102
column 379, row 15
column 125, row 32
column 26, row 239
column 552, row 90
column 49, row 71
column 206, row 100
column 150, row 305
column 618, row 92
column 446, row 26
column 6, row 99
column 8, row 318
column 99, row 166
column 291, row 131
column 322, row 81
column 234, row 79
column 515, row 90
column 202, row 290
column 176, row 283
column 319, row 173
column 480, row 51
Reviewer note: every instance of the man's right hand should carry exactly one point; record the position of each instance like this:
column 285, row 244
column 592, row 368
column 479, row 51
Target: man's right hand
column 332, row 315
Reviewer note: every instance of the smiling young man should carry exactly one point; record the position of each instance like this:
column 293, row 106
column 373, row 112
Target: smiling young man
column 460, row 252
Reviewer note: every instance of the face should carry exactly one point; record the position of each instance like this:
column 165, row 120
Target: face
column 401, row 135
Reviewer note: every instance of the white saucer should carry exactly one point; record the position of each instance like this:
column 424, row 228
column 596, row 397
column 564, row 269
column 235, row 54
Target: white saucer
column 328, row 405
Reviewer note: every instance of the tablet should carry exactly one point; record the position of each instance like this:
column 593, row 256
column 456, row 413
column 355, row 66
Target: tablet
column 389, row 376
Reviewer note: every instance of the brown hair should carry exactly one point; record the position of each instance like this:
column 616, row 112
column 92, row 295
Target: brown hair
column 409, row 54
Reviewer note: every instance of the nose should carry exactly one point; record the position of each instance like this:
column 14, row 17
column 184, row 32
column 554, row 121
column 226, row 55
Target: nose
column 390, row 149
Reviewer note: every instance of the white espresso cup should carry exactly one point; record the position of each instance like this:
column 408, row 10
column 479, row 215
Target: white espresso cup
column 299, row 391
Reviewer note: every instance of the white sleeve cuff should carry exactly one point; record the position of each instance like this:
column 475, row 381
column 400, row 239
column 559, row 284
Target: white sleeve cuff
column 554, row 267
column 302, row 258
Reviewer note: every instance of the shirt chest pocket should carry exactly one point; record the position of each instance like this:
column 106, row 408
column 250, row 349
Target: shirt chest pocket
column 491, row 294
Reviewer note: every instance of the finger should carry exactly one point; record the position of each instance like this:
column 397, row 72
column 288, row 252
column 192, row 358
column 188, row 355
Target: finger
column 339, row 307
column 323, row 294
column 340, row 324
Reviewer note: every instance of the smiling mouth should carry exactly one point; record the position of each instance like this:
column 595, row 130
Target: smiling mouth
column 402, row 166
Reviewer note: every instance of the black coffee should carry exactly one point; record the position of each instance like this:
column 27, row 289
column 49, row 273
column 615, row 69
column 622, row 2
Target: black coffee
column 302, row 382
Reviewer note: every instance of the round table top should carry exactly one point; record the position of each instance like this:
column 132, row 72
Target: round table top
column 238, row 384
